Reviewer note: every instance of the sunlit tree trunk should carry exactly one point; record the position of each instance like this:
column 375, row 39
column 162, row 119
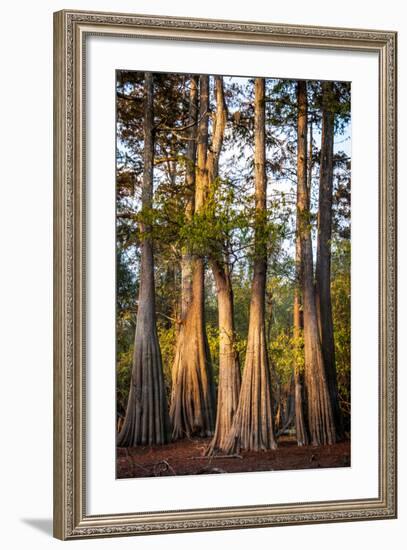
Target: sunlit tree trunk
column 146, row 421
column 320, row 416
column 193, row 397
column 252, row 426
column 229, row 369
column 186, row 261
column 186, row 257
column 323, row 263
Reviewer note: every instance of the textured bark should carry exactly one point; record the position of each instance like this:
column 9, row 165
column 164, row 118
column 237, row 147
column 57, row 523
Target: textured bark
column 285, row 415
column 193, row 396
column 310, row 160
column 212, row 161
column 229, row 369
column 186, row 261
column 300, row 425
column 252, row 427
column 320, row 416
column 146, row 421
column 192, row 408
column 323, row 263
column 186, row 257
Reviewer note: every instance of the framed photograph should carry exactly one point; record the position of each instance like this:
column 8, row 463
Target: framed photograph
column 225, row 274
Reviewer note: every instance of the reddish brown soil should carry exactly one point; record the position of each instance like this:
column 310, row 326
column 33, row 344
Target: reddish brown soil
column 185, row 458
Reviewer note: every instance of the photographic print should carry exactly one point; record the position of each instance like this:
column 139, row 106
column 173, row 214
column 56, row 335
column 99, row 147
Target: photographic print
column 233, row 288
column 224, row 311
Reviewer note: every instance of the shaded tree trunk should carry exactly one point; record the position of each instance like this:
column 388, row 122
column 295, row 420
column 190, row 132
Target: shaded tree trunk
column 300, row 426
column 252, row 427
column 229, row 369
column 310, row 160
column 193, row 397
column 285, row 414
column 323, row 263
column 146, row 421
column 320, row 416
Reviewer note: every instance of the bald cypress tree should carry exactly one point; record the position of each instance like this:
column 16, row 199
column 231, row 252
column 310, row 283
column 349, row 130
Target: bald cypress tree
column 300, row 424
column 229, row 368
column 193, row 397
column 320, row 417
column 252, row 427
column 146, row 421
column 323, row 263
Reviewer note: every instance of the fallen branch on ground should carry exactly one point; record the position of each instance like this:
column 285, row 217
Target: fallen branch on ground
column 213, row 457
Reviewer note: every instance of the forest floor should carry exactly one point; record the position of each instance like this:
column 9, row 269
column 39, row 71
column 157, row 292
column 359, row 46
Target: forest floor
column 185, row 457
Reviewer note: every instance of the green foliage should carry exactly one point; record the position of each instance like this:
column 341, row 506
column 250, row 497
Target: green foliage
column 167, row 337
column 123, row 376
column 125, row 326
column 282, row 356
column 212, row 333
column 341, row 302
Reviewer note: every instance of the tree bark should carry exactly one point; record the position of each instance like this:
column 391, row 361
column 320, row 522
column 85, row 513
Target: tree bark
column 252, row 427
column 310, row 159
column 186, row 262
column 146, row 421
column 320, row 417
column 193, row 397
column 229, row 368
column 186, row 257
column 323, row 263
column 300, row 425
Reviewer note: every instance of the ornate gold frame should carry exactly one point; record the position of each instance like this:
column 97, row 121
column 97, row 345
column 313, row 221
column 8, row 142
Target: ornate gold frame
column 70, row 518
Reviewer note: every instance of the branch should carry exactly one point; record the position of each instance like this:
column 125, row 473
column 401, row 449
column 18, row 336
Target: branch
column 128, row 97
column 181, row 128
column 162, row 160
column 178, row 321
column 126, row 215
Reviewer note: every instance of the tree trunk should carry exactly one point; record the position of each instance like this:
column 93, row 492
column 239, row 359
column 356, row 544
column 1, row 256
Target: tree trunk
column 252, row 427
column 146, row 421
column 286, row 408
column 186, row 262
column 323, row 263
column 193, row 397
column 300, row 426
column 186, row 257
column 310, row 160
column 229, row 369
column 320, row 417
